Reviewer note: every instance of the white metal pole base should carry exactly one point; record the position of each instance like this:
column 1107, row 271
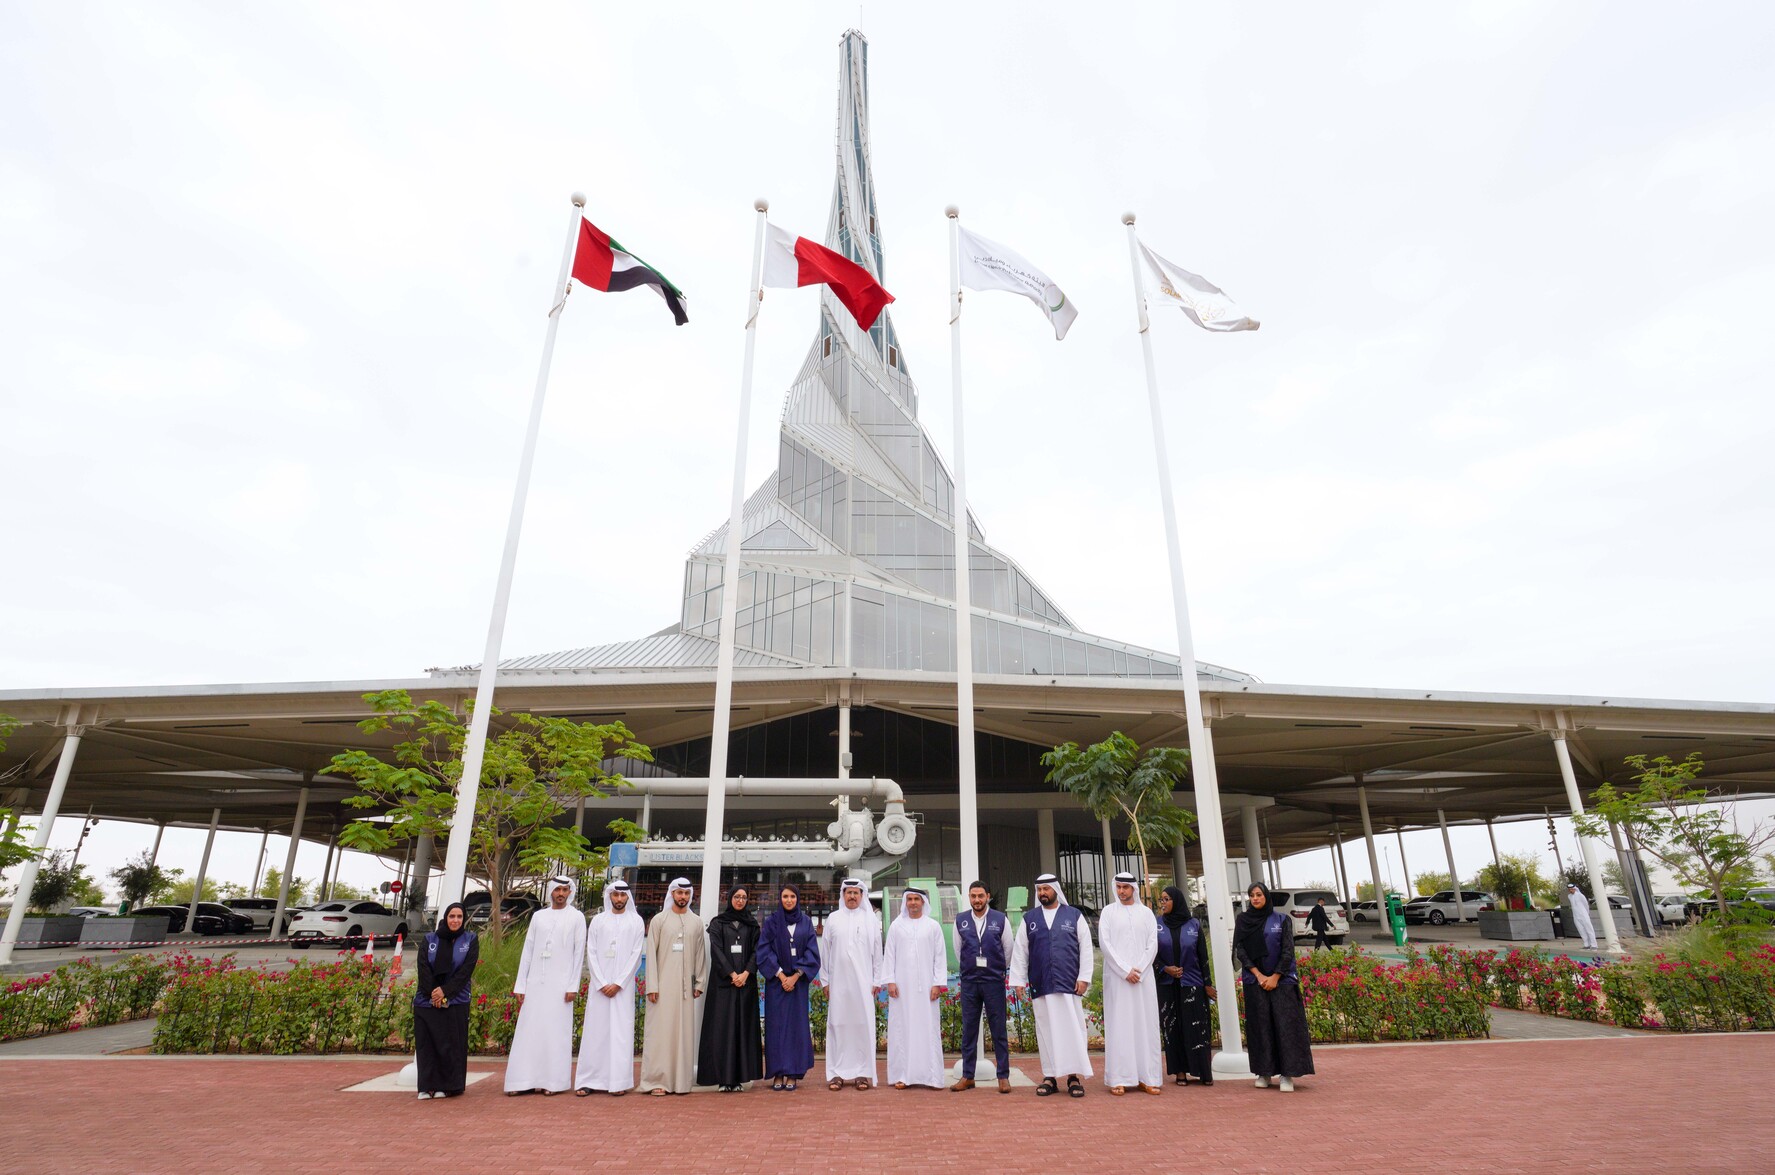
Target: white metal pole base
column 1232, row 1065
column 408, row 1077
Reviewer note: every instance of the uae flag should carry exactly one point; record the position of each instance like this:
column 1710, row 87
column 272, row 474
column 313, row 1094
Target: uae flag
column 796, row 261
column 603, row 264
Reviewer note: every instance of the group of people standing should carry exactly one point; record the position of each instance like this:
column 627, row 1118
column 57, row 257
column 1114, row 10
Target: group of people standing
column 1155, row 1002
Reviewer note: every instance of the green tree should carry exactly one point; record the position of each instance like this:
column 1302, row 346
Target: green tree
column 57, row 882
column 1682, row 823
column 164, row 887
column 138, row 878
column 1612, row 877
column 178, row 890
column 15, row 845
column 1431, row 881
column 1365, row 891
column 273, row 881
column 87, row 892
column 530, row 774
column 1113, row 778
column 1575, row 873
column 1515, row 875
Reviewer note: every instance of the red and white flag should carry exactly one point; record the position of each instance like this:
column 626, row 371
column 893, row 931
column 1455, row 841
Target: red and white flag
column 791, row 261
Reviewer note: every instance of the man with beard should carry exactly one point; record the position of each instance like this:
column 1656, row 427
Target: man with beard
column 1054, row 960
column 613, row 954
column 677, row 969
column 850, row 952
column 547, row 983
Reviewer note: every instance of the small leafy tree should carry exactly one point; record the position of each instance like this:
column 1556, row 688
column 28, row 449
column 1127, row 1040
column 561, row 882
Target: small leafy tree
column 1365, row 891
column 273, row 881
column 1682, row 824
column 529, row 775
column 138, row 878
column 178, row 890
column 1515, row 875
column 167, row 886
column 1612, row 877
column 1113, row 778
column 15, row 847
column 56, row 882
column 1575, row 873
column 1431, row 881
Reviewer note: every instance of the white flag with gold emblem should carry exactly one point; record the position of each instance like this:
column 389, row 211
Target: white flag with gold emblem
column 1206, row 304
column 988, row 265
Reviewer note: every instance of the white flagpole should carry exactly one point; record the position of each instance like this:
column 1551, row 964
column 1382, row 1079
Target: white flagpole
column 964, row 607
column 1231, row 1061
column 714, row 826
column 474, row 751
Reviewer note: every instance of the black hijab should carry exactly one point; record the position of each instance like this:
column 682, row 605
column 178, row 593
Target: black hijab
column 744, row 917
column 446, row 936
column 1179, row 909
column 791, row 917
column 1248, row 928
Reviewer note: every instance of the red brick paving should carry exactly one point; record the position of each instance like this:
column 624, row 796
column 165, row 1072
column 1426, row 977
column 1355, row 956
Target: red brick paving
column 1502, row 1106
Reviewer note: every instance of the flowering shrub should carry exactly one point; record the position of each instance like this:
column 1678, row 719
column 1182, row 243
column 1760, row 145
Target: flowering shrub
column 1700, row 995
column 212, row 1007
column 81, row 994
column 1351, row 996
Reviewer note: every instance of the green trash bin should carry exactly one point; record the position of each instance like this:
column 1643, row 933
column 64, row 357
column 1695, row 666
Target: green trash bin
column 1396, row 918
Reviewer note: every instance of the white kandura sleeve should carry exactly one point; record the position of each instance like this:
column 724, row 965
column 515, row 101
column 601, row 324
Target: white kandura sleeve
column 521, row 980
column 1019, row 972
column 1087, row 956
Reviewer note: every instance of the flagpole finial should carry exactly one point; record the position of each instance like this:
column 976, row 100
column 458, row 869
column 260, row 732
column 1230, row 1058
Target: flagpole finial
column 952, row 212
column 761, row 204
column 579, row 199
column 1128, row 218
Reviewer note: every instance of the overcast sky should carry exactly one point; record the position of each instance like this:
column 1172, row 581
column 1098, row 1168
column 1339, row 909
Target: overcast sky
column 277, row 276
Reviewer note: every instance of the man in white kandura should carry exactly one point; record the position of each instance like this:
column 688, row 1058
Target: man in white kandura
column 613, row 955
column 850, row 959
column 1054, row 960
column 541, row 1059
column 915, row 971
column 1129, row 936
column 1581, row 916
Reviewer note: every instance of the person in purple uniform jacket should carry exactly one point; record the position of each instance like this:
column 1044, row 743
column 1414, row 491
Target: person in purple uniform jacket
column 789, row 962
column 1275, row 1017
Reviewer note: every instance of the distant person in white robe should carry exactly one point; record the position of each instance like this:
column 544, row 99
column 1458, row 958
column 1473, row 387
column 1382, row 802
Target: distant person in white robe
column 613, row 955
column 915, row 971
column 850, row 961
column 546, row 985
column 1581, row 916
column 1128, row 934
column 1053, row 959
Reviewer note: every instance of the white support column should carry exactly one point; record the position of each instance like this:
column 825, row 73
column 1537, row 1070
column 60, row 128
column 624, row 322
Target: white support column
column 1349, row 890
column 154, row 853
column 1399, row 835
column 1253, row 840
column 203, row 868
column 1180, row 868
column 259, row 863
column 1448, row 850
column 1497, row 861
column 283, row 886
column 323, row 887
column 1374, row 860
column 844, row 739
column 1047, row 847
column 338, row 853
column 421, row 883
column 1587, row 845
column 647, row 812
column 966, row 787
column 58, row 787
column 1269, row 852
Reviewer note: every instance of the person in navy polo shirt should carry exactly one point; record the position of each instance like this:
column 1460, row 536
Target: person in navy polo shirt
column 983, row 951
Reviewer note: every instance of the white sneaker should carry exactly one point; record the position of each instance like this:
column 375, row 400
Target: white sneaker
column 425, row 1097
column 1263, row 1083
column 1287, row 1085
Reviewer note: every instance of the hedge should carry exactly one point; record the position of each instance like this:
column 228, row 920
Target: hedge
column 82, row 994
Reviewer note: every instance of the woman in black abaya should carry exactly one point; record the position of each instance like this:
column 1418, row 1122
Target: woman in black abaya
column 447, row 960
column 730, row 1053
column 1184, row 990
column 1275, row 1017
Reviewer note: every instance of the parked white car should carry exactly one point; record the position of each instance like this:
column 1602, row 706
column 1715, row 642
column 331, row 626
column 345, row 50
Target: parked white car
column 260, row 910
column 1673, row 908
column 345, row 923
column 1441, row 907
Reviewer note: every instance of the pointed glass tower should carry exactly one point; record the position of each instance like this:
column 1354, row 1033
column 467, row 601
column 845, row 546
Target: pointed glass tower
column 847, row 551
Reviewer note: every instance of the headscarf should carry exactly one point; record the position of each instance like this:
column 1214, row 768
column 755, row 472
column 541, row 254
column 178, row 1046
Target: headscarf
column 1179, row 909
column 548, row 892
column 782, row 915
column 1050, row 879
column 907, row 892
column 679, row 883
column 1248, row 927
column 865, row 909
column 446, row 936
column 745, row 917
column 1125, row 879
column 629, row 910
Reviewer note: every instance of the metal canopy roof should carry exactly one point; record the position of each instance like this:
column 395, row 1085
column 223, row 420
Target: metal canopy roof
column 171, row 754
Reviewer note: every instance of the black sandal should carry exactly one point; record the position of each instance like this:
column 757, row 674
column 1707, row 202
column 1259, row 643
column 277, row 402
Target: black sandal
column 1074, row 1088
column 582, row 1092
column 1182, row 1080
column 776, row 1086
column 791, row 1085
column 1048, row 1086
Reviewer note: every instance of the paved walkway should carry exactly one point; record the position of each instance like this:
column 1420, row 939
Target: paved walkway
column 1508, row 1025
column 1485, row 1106
column 87, row 1042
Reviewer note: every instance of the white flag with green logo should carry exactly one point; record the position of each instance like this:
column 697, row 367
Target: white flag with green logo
column 1206, row 303
column 988, row 265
